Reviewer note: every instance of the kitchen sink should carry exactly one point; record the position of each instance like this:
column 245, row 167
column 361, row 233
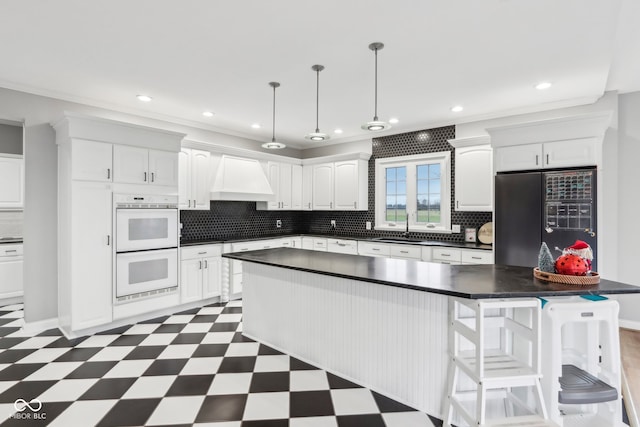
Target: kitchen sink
column 398, row 240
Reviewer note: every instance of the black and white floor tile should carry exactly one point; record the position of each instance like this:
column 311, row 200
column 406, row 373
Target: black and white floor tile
column 190, row 368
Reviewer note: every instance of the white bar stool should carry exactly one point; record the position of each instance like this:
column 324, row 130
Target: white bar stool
column 581, row 365
column 494, row 373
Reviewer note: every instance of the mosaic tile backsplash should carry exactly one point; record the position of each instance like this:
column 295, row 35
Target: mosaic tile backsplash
column 239, row 220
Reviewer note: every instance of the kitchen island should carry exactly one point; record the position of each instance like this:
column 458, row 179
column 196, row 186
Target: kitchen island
column 381, row 322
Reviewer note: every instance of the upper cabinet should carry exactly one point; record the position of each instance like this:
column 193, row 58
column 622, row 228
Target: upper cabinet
column 92, row 161
column 194, row 180
column 572, row 141
column 473, row 174
column 340, row 186
column 319, row 184
column 12, row 179
column 557, row 154
column 135, row 165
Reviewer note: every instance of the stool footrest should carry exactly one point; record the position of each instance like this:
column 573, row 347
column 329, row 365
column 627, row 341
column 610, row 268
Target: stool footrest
column 580, row 387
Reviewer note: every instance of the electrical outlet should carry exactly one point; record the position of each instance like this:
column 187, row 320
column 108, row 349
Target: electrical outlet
column 278, row 223
column 333, row 223
column 455, row 228
column 368, row 225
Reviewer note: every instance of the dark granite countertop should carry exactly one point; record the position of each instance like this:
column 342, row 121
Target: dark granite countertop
column 10, row 240
column 467, row 281
column 464, row 245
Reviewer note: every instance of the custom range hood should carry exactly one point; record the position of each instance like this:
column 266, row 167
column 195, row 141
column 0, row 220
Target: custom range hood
column 241, row 179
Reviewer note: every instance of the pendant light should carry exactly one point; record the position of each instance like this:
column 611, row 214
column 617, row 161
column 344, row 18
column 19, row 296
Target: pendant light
column 273, row 145
column 375, row 124
column 317, row 135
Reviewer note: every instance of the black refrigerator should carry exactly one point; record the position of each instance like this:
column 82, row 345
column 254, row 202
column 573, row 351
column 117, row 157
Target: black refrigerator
column 557, row 207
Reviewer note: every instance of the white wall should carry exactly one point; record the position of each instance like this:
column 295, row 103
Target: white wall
column 628, row 208
column 40, row 223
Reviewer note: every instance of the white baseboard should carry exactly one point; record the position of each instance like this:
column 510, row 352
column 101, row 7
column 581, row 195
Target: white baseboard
column 629, row 324
column 34, row 328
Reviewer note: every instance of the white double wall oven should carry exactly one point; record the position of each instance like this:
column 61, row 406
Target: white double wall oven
column 146, row 246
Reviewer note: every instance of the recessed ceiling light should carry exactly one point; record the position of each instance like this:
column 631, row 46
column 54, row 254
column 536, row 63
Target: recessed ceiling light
column 207, row 114
column 457, row 108
column 144, row 98
column 393, row 120
column 337, row 131
column 256, row 126
column 543, row 85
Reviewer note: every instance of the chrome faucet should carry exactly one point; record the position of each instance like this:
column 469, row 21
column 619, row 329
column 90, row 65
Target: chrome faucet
column 405, row 234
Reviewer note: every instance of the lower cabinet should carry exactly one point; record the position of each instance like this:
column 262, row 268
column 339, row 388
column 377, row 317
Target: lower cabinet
column 341, row 246
column 11, row 270
column 462, row 256
column 201, row 272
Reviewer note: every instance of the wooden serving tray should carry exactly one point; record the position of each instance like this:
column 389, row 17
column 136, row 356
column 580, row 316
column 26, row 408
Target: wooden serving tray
column 592, row 279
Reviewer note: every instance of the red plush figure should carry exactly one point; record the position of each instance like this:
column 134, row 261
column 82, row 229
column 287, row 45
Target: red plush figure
column 572, row 264
column 582, row 249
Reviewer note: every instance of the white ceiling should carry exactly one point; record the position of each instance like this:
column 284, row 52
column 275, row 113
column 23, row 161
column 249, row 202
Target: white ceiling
column 197, row 55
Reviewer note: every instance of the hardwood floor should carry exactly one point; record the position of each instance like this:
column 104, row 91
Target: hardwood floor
column 630, row 354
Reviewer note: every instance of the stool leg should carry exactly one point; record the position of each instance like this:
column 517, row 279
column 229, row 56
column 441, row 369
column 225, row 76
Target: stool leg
column 540, row 400
column 481, row 402
column 448, row 410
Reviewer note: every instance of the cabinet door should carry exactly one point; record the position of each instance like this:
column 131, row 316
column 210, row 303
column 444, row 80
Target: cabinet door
column 284, row 187
column 91, row 252
column 211, row 277
column 576, row 152
column 184, row 179
column 163, row 168
column 322, row 183
column 273, row 172
column 130, row 164
column 11, row 277
column 200, row 183
column 91, row 161
column 519, row 157
column 307, row 187
column 474, row 179
column 346, row 186
column 296, row 187
column 191, row 280
column 12, row 182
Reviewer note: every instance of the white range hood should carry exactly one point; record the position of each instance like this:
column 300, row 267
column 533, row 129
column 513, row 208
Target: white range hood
column 241, row 179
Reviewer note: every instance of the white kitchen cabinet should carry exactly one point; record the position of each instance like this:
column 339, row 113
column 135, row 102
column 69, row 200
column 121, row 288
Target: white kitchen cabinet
column 340, row 186
column 235, row 277
column 281, row 180
column 307, row 187
column 314, row 243
column 374, row 249
column 474, row 178
column 296, row 188
column 461, row 256
column 163, row 168
column 342, row 246
column 136, row 165
column 351, row 185
column 86, row 297
column 11, row 271
column 194, row 179
column 322, row 184
column 12, row 182
column 291, row 242
column 556, row 154
column 406, row 252
column 92, row 161
column 472, row 256
column 201, row 272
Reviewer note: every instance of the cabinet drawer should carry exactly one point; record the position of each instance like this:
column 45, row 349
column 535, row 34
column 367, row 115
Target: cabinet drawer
column 376, row 249
column 201, row 251
column 342, row 246
column 447, row 254
column 477, row 257
column 319, row 244
column 406, row 251
column 9, row 250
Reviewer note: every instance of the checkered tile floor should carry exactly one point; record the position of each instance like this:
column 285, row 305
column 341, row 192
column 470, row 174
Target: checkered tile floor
column 191, row 368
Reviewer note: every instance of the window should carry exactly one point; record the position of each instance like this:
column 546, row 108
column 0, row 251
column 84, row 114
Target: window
column 414, row 189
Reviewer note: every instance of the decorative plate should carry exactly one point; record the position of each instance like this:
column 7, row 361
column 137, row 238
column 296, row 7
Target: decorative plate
column 485, row 234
